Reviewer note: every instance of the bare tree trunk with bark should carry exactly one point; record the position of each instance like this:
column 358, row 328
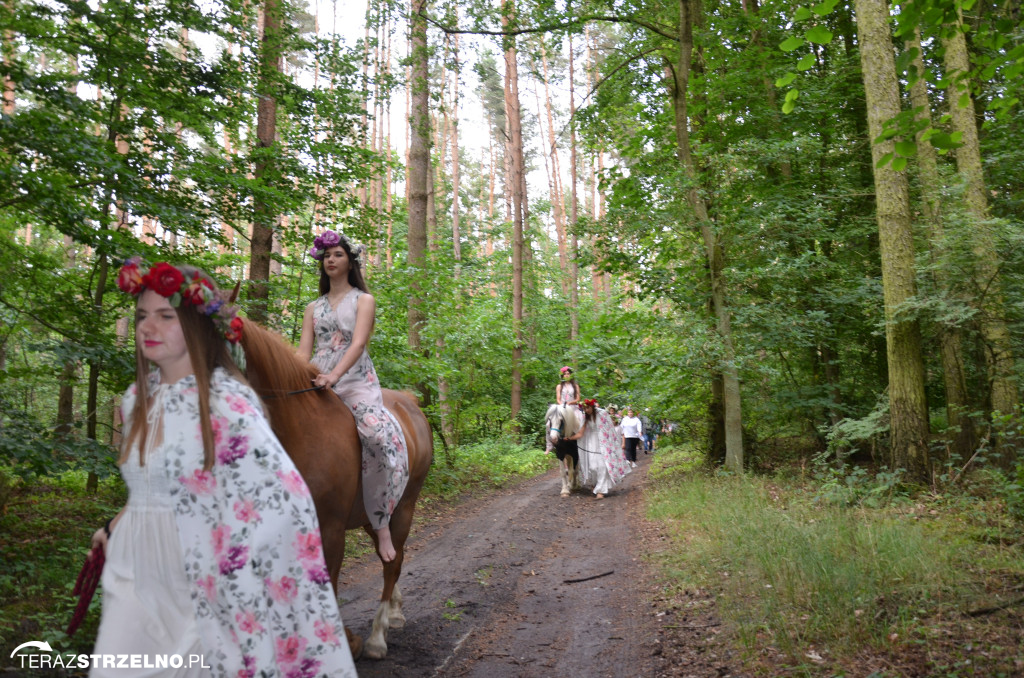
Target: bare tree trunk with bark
column 994, row 330
column 264, row 213
column 958, row 403
column 419, row 164
column 512, row 114
column 733, row 421
column 907, row 404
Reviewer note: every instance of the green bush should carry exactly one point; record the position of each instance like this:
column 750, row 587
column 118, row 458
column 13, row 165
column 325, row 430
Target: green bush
column 492, row 463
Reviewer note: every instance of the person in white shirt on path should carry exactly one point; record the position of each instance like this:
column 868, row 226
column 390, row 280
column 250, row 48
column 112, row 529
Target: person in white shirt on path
column 632, row 429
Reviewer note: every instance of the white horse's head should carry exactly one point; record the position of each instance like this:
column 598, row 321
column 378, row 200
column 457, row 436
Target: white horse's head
column 561, row 422
column 554, row 423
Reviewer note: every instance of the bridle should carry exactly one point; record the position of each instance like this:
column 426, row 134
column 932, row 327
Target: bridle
column 557, row 430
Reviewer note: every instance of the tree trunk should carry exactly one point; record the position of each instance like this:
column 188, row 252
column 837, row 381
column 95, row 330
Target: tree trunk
column 557, row 197
column 733, row 421
column 456, row 234
column 512, row 113
column 8, row 84
column 907, row 404
column 998, row 349
column 92, row 399
column 574, row 271
column 264, row 213
column 957, row 399
column 419, row 165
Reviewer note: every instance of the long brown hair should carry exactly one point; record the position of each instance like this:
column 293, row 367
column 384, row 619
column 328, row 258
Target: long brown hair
column 355, row 269
column 207, row 350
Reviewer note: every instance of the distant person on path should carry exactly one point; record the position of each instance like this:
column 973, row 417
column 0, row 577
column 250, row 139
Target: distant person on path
column 648, row 431
column 632, row 429
column 217, row 552
column 601, row 462
column 338, row 324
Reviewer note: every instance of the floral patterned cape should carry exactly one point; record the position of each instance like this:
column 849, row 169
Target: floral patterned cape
column 250, row 540
column 609, row 442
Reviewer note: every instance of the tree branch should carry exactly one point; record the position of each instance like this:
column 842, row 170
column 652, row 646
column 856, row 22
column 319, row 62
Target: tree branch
column 663, row 31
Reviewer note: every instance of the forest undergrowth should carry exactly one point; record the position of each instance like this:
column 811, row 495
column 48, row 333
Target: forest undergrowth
column 813, row 581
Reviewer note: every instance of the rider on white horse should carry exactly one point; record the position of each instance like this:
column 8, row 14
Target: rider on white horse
column 564, row 419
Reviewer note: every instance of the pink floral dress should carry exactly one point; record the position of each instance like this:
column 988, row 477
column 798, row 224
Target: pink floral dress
column 226, row 564
column 385, row 456
column 602, row 463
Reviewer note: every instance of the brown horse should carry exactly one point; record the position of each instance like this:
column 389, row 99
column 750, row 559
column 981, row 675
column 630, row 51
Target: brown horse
column 319, row 433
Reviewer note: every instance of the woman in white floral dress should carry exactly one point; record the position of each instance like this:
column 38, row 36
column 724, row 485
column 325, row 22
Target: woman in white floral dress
column 336, row 329
column 602, row 464
column 215, row 566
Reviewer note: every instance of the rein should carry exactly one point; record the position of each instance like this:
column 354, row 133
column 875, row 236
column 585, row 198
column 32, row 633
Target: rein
column 282, row 394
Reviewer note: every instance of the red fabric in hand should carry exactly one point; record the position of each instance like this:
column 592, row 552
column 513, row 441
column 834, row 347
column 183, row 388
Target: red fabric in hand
column 85, row 586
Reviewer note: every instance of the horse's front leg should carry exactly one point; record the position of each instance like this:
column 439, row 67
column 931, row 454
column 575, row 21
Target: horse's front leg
column 389, row 613
column 565, row 465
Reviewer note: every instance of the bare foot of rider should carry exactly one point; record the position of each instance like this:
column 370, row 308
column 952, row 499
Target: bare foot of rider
column 385, row 549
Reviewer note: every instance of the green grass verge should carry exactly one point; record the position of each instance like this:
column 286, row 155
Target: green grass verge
column 794, row 573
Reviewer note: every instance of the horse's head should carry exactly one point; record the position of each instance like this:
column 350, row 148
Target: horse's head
column 554, row 423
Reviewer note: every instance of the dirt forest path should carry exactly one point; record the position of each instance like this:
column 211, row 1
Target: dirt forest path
column 489, row 592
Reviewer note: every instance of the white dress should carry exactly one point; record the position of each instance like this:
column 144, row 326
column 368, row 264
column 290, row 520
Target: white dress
column 225, row 563
column 601, row 462
column 147, row 601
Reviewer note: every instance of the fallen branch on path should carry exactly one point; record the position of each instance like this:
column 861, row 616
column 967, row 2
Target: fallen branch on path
column 596, row 576
column 995, row 608
column 690, row 626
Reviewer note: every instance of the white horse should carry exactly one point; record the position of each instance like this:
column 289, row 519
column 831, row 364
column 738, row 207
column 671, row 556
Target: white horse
column 562, row 422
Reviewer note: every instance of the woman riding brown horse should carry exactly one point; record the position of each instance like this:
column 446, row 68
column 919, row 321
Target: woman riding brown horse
column 319, row 433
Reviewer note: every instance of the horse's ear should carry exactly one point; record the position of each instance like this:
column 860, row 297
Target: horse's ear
column 234, row 292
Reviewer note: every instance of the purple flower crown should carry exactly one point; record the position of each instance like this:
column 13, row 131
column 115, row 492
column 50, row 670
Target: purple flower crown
column 329, row 239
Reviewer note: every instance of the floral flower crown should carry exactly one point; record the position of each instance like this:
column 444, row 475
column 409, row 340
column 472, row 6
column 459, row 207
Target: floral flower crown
column 329, row 239
column 170, row 282
column 565, row 370
column 590, row 403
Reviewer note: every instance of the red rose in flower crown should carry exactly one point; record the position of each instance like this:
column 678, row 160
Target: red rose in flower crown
column 234, row 332
column 129, row 280
column 198, row 291
column 164, row 279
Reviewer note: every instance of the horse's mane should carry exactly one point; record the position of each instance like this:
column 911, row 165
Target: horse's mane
column 271, row 363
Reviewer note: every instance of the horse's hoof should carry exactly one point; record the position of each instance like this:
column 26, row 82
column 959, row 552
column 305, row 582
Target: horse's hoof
column 355, row 644
column 371, row 651
column 396, row 621
column 565, row 493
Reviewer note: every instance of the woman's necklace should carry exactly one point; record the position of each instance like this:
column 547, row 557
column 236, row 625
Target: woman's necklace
column 335, row 298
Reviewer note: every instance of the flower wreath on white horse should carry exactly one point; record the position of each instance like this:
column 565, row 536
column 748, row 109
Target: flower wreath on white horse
column 562, row 422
